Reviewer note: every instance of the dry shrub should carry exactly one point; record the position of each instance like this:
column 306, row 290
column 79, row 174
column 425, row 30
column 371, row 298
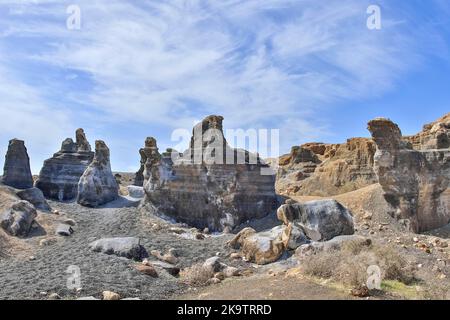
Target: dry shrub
column 349, row 265
column 196, row 275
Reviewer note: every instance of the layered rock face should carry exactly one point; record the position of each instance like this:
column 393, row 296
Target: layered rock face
column 435, row 135
column 60, row 174
column 415, row 182
column 201, row 188
column 17, row 172
column 327, row 169
column 97, row 185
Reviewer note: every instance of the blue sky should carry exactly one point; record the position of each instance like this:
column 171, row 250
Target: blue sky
column 145, row 68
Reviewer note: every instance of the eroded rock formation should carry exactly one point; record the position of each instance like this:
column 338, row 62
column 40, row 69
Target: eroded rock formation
column 210, row 185
column 60, row 174
column 149, row 158
column 98, row 185
column 17, row 172
column 415, row 182
column 435, row 135
column 327, row 169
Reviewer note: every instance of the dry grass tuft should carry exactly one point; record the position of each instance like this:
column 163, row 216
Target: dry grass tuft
column 349, row 265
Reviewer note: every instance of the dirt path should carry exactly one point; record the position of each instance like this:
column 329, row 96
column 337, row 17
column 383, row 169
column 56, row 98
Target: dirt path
column 267, row 287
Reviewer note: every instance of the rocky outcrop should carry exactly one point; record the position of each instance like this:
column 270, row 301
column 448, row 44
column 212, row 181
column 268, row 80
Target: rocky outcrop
column 303, row 223
column 149, row 157
column 60, row 174
column 18, row 218
column 415, row 182
column 35, row 197
column 16, row 171
column 97, row 185
column 320, row 220
column 260, row 248
column 210, row 185
column 327, row 169
column 435, row 135
column 123, row 247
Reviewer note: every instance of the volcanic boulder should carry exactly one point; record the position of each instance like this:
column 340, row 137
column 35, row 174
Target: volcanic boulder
column 320, row 220
column 17, row 172
column 415, row 182
column 60, row 174
column 97, row 185
column 210, row 185
column 18, row 218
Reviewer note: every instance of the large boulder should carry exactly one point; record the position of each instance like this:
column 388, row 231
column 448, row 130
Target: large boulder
column 16, row 171
column 267, row 246
column 60, row 174
column 123, row 247
column 97, row 185
column 35, row 197
column 18, row 218
column 321, row 220
column 415, row 182
column 210, row 185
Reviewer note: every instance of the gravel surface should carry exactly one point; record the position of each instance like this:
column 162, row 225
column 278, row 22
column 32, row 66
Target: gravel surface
column 36, row 277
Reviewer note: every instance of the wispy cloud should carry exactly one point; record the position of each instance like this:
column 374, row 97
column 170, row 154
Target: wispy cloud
column 273, row 63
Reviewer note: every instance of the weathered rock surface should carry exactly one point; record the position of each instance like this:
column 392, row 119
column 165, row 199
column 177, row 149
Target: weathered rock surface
column 16, row 171
column 435, row 135
column 35, row 197
column 18, row 219
column 268, row 246
column 201, row 188
column 149, row 158
column 415, row 182
column 320, row 220
column 97, row 185
column 334, row 244
column 123, row 247
column 136, row 192
column 60, row 174
column 327, row 169
column 64, row 229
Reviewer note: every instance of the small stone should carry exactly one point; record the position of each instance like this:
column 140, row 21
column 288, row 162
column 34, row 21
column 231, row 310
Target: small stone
column 43, row 293
column 231, row 272
column 420, row 266
column 32, row 258
column 147, row 270
column 235, row 256
column 200, row 236
column 227, row 230
column 56, row 212
column 415, row 239
column 54, row 296
column 214, row 281
column 206, row 231
column 360, row 292
column 109, row 295
column 220, row 276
